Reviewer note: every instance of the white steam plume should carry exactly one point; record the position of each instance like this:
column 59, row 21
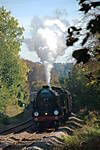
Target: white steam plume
column 47, row 41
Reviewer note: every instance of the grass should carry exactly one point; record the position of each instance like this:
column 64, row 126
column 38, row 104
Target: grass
column 15, row 114
column 86, row 138
column 13, row 110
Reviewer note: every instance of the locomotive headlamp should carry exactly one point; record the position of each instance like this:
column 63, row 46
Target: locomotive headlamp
column 36, row 114
column 46, row 113
column 56, row 112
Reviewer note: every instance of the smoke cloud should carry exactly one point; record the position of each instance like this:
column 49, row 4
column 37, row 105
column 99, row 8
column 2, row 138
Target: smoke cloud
column 48, row 41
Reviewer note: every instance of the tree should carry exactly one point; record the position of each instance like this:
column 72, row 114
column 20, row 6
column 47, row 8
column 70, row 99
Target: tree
column 88, row 36
column 85, row 95
column 12, row 69
column 89, row 33
column 84, row 80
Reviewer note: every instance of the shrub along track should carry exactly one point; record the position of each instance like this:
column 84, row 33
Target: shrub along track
column 21, row 136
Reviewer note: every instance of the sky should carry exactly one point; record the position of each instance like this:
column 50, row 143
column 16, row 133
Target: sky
column 25, row 10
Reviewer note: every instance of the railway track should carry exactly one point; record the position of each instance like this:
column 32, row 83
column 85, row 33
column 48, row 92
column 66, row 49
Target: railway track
column 17, row 128
column 21, row 136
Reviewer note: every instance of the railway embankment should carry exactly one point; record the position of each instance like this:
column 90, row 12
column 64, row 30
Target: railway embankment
column 85, row 138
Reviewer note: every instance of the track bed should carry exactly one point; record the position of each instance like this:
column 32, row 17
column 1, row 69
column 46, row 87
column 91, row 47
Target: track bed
column 23, row 137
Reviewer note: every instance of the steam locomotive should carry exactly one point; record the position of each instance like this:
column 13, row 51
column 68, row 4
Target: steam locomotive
column 52, row 106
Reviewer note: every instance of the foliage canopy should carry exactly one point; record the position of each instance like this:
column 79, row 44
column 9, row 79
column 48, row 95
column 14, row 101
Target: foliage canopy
column 12, row 69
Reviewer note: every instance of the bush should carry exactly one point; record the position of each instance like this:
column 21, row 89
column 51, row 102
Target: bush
column 86, row 137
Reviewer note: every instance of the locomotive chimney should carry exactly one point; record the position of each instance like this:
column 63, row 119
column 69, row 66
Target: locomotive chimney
column 45, row 87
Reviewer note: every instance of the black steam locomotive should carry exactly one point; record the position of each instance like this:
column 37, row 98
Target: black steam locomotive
column 52, row 106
